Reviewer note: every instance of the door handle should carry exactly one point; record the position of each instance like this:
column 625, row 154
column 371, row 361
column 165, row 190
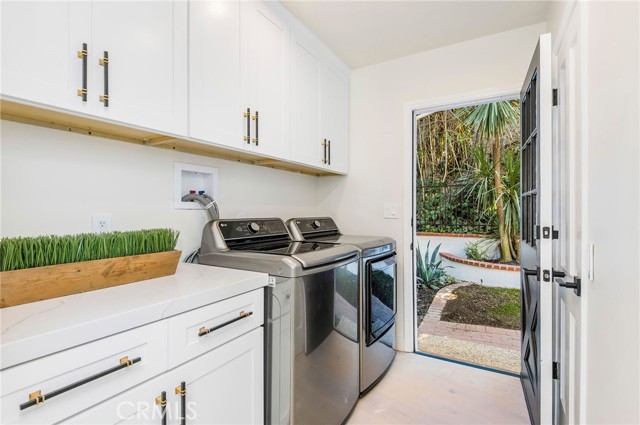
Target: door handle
column 536, row 272
column 576, row 285
column 531, row 272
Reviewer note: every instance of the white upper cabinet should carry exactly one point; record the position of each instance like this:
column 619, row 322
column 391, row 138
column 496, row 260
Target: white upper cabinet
column 40, row 45
column 265, row 77
column 147, row 63
column 227, row 73
column 143, row 82
column 306, row 76
column 335, row 117
column 319, row 106
column 215, row 111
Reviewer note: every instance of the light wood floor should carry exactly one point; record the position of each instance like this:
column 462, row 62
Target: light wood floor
column 423, row 390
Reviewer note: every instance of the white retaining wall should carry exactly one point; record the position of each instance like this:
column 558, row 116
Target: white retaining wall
column 481, row 275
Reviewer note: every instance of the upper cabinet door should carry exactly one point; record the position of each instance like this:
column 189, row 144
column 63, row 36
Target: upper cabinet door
column 40, row 45
column 335, row 118
column 265, row 77
column 215, row 111
column 306, row 75
column 146, row 74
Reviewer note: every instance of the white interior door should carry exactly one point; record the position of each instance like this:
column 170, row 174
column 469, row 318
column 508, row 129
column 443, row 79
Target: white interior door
column 569, row 178
column 536, row 235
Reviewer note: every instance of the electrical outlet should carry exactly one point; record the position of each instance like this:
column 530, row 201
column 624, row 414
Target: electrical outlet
column 101, row 223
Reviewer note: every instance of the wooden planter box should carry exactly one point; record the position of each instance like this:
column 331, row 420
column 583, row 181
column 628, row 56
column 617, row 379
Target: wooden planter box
column 42, row 283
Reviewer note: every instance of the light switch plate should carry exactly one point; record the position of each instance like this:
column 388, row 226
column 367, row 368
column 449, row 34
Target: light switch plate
column 391, row 210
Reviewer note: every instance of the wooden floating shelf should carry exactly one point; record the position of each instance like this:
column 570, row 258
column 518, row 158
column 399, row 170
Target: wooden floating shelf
column 90, row 126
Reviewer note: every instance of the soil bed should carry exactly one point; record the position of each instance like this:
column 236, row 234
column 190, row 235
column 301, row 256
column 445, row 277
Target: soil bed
column 483, row 305
column 424, row 298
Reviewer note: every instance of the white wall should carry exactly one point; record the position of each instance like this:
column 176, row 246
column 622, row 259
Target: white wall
column 455, row 245
column 610, row 302
column 376, row 132
column 53, row 181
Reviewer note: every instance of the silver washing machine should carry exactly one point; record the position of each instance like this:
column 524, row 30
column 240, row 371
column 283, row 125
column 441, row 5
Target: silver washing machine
column 311, row 335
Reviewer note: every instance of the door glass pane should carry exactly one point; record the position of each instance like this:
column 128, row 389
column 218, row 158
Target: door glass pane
column 382, row 281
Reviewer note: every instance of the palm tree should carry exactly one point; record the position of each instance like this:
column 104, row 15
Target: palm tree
column 490, row 121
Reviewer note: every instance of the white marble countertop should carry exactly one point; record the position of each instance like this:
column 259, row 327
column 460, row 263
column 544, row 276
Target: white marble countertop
column 37, row 329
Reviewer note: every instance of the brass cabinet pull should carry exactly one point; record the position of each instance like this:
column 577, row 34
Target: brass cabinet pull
column 182, row 391
column 204, row 331
column 161, row 401
column 104, row 62
column 37, row 397
column 82, row 54
column 247, row 115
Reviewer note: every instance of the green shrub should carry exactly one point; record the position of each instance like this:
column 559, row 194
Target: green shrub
column 481, row 250
column 24, row 253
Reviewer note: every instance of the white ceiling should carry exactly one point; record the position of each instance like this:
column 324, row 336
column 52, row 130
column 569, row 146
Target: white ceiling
column 365, row 32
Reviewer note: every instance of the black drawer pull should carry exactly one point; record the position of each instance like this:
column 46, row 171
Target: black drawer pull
column 247, row 115
column 82, row 54
column 161, row 401
column 37, row 397
column 324, row 147
column 104, row 62
column 204, row 331
column 329, row 156
column 256, row 118
column 182, row 391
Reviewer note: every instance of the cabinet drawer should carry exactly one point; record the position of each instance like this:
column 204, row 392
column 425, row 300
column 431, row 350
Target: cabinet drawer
column 64, row 378
column 203, row 329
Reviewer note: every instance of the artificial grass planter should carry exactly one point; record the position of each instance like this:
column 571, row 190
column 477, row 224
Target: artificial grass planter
column 40, row 268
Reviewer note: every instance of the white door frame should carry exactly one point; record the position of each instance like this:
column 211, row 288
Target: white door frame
column 407, row 334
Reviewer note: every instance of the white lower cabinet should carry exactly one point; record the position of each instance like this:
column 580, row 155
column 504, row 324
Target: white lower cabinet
column 126, row 378
column 223, row 386
column 60, row 379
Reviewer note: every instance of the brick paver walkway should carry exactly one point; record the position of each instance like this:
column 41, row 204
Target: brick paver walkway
column 432, row 325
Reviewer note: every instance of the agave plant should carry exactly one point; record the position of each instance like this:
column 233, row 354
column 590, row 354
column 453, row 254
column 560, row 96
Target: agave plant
column 430, row 272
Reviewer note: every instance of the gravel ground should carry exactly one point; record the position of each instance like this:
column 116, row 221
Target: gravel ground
column 485, row 355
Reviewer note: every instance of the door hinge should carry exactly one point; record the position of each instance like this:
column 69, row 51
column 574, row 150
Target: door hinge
column 556, row 370
column 555, row 97
column 547, row 232
column 411, row 247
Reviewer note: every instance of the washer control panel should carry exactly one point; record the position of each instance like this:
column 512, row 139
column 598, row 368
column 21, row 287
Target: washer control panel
column 316, row 225
column 251, row 228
